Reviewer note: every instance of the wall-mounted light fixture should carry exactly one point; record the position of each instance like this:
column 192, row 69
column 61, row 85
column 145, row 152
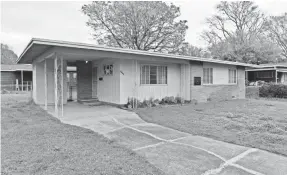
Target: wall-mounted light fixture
column 87, row 62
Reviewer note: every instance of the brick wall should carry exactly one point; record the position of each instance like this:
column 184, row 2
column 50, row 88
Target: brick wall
column 252, row 92
column 84, row 79
column 214, row 92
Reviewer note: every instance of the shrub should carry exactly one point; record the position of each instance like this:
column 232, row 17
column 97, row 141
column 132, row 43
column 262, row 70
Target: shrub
column 272, row 90
column 168, row 100
column 132, row 102
column 155, row 102
column 179, row 100
column 147, row 103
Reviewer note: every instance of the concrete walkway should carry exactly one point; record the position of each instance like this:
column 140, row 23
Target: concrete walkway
column 172, row 151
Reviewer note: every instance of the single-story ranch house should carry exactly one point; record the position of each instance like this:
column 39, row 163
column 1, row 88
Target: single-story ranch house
column 16, row 77
column 114, row 74
column 275, row 73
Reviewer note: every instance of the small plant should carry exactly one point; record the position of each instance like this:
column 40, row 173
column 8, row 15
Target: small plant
column 146, row 103
column 132, row 103
column 179, row 100
column 155, row 102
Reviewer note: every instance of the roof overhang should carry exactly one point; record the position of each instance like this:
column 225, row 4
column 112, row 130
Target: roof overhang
column 262, row 69
column 15, row 67
column 37, row 47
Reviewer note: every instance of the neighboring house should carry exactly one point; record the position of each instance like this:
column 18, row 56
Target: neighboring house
column 114, row 74
column 16, row 76
column 276, row 73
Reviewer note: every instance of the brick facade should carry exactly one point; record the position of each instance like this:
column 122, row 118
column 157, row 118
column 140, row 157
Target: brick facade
column 84, row 79
column 203, row 93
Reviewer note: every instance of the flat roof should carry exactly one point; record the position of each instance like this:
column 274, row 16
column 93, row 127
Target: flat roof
column 267, row 69
column 273, row 65
column 16, row 67
column 38, row 46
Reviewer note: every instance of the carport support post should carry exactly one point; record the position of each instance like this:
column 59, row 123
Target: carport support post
column 276, row 75
column 46, row 91
column 62, row 86
column 56, row 86
column 22, row 80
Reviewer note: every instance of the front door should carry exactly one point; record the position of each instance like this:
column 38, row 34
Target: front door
column 95, row 81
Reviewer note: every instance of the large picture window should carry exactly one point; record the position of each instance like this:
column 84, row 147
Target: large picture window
column 265, row 74
column 207, row 75
column 151, row 74
column 232, row 76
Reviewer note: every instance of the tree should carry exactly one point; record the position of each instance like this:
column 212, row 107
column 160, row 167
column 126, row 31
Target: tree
column 7, row 55
column 236, row 33
column 190, row 50
column 141, row 25
column 277, row 28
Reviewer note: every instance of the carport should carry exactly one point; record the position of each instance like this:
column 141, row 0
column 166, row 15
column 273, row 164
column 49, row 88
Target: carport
column 50, row 60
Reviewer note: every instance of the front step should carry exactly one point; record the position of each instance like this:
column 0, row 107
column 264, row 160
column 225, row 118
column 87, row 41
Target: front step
column 90, row 102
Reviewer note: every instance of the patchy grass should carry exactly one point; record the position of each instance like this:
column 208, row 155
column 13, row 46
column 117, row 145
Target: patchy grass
column 254, row 123
column 33, row 142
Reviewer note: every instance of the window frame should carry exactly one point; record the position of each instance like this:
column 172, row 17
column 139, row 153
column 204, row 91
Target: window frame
column 209, row 77
column 157, row 75
column 235, row 74
column 260, row 74
column 285, row 77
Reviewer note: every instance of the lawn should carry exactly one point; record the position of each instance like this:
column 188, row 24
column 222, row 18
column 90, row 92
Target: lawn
column 255, row 123
column 33, row 142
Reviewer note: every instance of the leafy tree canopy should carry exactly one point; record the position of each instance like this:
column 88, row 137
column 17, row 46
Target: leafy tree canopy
column 141, row 25
column 7, row 55
column 237, row 33
column 276, row 27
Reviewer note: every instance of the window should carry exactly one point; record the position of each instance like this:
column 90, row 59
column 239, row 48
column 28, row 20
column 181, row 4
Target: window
column 232, row 76
column 285, row 77
column 265, row 74
column 153, row 74
column 108, row 69
column 207, row 75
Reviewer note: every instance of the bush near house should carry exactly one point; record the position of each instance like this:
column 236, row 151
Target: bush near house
column 272, row 90
column 133, row 102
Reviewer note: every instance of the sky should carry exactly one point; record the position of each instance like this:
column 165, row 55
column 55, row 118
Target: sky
column 63, row 20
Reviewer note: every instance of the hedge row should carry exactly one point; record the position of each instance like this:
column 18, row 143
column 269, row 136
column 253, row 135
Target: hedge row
column 272, row 90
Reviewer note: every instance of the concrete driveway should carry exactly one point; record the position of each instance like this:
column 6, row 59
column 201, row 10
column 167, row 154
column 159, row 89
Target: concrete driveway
column 172, row 151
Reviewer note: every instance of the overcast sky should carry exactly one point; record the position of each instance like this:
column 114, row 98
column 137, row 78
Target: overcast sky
column 20, row 21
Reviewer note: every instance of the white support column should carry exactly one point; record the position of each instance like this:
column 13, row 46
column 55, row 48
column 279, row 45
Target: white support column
column 276, row 76
column 46, row 88
column 22, row 80
column 56, row 85
column 62, row 87
column 136, row 83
